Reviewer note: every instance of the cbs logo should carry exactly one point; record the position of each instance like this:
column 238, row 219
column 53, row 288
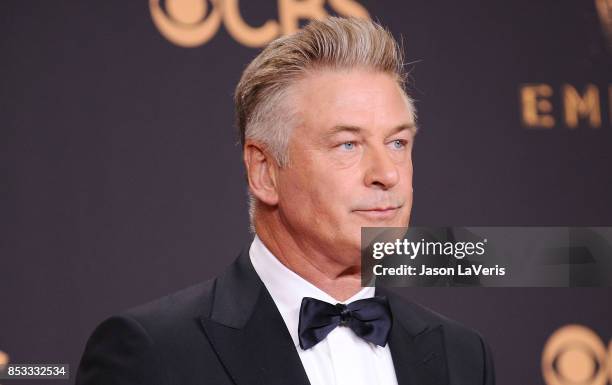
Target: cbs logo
column 575, row 355
column 190, row 23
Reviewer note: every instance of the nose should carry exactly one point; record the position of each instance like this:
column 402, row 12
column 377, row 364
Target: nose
column 381, row 170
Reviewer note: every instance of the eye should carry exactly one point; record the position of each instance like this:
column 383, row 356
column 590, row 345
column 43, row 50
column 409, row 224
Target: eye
column 349, row 146
column 398, row 144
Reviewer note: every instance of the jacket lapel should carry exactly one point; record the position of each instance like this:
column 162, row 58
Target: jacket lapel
column 247, row 331
column 249, row 335
column 417, row 348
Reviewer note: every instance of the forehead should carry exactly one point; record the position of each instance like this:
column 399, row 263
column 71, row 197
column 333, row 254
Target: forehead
column 363, row 98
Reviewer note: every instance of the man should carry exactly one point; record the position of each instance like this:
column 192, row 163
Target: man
column 327, row 132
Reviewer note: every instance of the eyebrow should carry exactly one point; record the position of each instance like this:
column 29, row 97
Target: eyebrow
column 356, row 129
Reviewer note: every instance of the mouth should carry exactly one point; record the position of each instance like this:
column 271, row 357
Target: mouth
column 378, row 213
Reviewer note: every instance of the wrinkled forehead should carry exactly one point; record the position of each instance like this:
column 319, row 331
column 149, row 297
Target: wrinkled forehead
column 370, row 100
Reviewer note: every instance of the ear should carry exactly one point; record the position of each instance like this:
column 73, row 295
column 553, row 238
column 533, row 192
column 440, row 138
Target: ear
column 262, row 172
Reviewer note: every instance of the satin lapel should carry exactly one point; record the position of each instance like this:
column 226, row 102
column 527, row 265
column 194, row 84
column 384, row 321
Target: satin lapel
column 417, row 348
column 247, row 331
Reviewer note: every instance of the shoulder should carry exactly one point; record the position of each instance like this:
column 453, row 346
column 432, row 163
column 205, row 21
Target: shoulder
column 454, row 332
column 151, row 342
column 153, row 319
column 173, row 322
column 178, row 309
column 467, row 352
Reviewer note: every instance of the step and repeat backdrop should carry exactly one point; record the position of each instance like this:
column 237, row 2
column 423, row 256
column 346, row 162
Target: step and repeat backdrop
column 122, row 178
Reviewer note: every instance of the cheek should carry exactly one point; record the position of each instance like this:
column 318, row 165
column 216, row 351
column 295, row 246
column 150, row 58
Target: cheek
column 409, row 194
column 331, row 193
column 305, row 193
column 341, row 183
column 324, row 197
column 407, row 166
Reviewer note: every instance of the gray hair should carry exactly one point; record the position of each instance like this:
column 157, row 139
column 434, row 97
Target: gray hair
column 262, row 111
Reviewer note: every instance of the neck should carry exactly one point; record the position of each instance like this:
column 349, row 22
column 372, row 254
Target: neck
column 309, row 261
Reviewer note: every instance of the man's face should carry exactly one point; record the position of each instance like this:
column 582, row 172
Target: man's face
column 350, row 160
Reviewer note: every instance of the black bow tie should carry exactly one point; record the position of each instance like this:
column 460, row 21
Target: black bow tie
column 369, row 318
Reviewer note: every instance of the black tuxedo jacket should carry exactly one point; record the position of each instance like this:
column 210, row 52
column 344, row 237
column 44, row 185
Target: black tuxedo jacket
column 229, row 331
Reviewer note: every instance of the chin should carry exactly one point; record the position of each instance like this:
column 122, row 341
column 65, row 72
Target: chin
column 391, row 222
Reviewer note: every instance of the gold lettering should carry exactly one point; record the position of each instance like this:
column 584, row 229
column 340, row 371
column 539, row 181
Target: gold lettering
column 291, row 11
column 585, row 106
column 192, row 29
column 186, row 22
column 244, row 33
column 536, row 108
column 349, row 8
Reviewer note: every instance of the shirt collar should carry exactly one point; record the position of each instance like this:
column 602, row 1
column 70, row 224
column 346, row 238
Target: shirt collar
column 287, row 288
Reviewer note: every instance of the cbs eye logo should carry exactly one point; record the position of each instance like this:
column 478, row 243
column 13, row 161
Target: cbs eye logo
column 190, row 23
column 575, row 355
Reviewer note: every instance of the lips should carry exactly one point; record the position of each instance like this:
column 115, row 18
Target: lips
column 379, row 212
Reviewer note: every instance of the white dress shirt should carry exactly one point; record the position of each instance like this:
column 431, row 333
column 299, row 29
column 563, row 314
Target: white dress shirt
column 342, row 358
